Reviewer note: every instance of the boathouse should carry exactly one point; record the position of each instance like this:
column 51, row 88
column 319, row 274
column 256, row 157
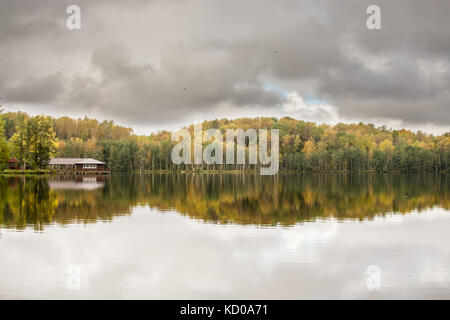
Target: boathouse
column 77, row 165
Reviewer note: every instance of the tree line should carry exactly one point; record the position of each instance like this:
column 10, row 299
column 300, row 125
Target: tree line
column 304, row 146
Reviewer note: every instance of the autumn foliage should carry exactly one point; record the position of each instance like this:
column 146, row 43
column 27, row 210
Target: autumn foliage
column 304, row 146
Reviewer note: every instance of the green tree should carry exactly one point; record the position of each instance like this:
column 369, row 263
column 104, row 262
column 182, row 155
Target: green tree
column 4, row 152
column 18, row 141
column 40, row 141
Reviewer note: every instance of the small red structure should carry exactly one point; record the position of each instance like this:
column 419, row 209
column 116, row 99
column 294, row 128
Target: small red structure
column 13, row 164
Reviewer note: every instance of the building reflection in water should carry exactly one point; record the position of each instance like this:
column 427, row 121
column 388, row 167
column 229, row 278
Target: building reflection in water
column 77, row 183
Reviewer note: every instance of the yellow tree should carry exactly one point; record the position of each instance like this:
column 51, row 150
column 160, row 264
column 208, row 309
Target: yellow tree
column 387, row 147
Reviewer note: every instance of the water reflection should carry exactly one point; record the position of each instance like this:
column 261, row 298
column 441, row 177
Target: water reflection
column 239, row 199
column 77, row 183
column 152, row 256
column 40, row 201
column 146, row 254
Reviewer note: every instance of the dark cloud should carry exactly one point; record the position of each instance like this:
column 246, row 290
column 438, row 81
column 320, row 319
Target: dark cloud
column 36, row 90
column 190, row 79
column 157, row 61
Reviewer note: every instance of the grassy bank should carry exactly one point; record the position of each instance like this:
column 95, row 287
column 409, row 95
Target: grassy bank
column 24, row 172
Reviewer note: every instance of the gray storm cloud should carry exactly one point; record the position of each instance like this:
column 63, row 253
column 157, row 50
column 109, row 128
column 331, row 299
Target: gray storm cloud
column 159, row 62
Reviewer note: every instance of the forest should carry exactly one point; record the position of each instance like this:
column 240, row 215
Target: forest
column 304, row 146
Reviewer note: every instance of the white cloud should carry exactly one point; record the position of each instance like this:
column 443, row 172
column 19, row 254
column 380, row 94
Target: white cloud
column 296, row 106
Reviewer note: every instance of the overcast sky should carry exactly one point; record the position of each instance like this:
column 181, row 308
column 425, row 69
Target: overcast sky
column 164, row 63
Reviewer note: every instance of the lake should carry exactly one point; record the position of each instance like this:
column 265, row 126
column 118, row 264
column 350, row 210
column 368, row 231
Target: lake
column 225, row 236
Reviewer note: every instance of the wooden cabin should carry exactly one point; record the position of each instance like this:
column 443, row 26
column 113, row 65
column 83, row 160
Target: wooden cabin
column 82, row 165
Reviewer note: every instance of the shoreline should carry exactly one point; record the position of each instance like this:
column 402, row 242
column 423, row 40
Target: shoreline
column 20, row 173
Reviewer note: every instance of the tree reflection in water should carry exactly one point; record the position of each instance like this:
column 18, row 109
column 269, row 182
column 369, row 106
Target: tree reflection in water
column 284, row 199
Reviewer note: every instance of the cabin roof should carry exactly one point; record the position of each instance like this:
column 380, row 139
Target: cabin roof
column 73, row 161
column 90, row 161
column 13, row 160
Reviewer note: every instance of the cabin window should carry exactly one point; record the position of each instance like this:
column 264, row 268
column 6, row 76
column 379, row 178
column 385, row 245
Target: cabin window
column 89, row 166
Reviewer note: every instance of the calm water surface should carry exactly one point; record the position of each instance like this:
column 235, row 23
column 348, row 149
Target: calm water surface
column 189, row 236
